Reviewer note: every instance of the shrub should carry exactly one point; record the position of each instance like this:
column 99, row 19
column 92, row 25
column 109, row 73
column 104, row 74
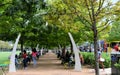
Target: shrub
column 90, row 60
column 117, row 65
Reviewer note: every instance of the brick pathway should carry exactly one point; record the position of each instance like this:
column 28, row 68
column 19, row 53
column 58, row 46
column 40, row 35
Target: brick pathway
column 50, row 65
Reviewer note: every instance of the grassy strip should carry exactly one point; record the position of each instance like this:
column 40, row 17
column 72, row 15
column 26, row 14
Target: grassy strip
column 4, row 57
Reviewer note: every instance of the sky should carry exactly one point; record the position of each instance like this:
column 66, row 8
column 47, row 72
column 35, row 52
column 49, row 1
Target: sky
column 114, row 1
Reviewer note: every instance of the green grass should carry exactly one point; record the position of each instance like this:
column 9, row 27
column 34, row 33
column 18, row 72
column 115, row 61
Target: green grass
column 4, row 57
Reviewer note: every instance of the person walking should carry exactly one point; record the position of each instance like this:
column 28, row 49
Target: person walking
column 24, row 55
column 100, row 59
column 34, row 58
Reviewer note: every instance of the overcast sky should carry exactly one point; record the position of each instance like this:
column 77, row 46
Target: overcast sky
column 114, row 1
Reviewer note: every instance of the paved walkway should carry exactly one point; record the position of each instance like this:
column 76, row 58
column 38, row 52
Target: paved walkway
column 50, row 65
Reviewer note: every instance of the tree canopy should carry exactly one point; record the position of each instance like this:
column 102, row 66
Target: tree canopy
column 30, row 18
column 47, row 22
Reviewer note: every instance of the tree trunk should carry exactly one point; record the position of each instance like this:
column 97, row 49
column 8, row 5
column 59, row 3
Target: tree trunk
column 63, row 52
column 96, row 50
column 71, row 47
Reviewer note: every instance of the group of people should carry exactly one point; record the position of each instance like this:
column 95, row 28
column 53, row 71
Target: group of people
column 24, row 58
column 68, row 57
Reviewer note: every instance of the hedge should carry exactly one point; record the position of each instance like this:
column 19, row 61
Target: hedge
column 90, row 59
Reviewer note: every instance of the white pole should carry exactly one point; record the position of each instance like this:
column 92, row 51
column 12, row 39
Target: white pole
column 41, row 51
column 99, row 44
column 12, row 57
column 76, row 52
column 60, row 48
column 37, row 46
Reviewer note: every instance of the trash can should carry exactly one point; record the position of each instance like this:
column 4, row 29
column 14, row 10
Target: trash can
column 115, row 58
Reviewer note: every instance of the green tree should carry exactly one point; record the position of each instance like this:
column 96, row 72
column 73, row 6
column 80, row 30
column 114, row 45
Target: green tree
column 95, row 15
column 114, row 32
column 59, row 14
column 20, row 15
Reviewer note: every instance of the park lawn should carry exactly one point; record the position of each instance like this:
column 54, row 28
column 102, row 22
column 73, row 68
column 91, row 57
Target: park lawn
column 4, row 57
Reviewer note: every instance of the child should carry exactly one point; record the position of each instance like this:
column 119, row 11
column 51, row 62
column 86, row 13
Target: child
column 16, row 62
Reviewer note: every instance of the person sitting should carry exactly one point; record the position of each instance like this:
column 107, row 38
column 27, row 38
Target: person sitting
column 81, row 58
column 29, row 57
column 116, row 47
column 16, row 62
